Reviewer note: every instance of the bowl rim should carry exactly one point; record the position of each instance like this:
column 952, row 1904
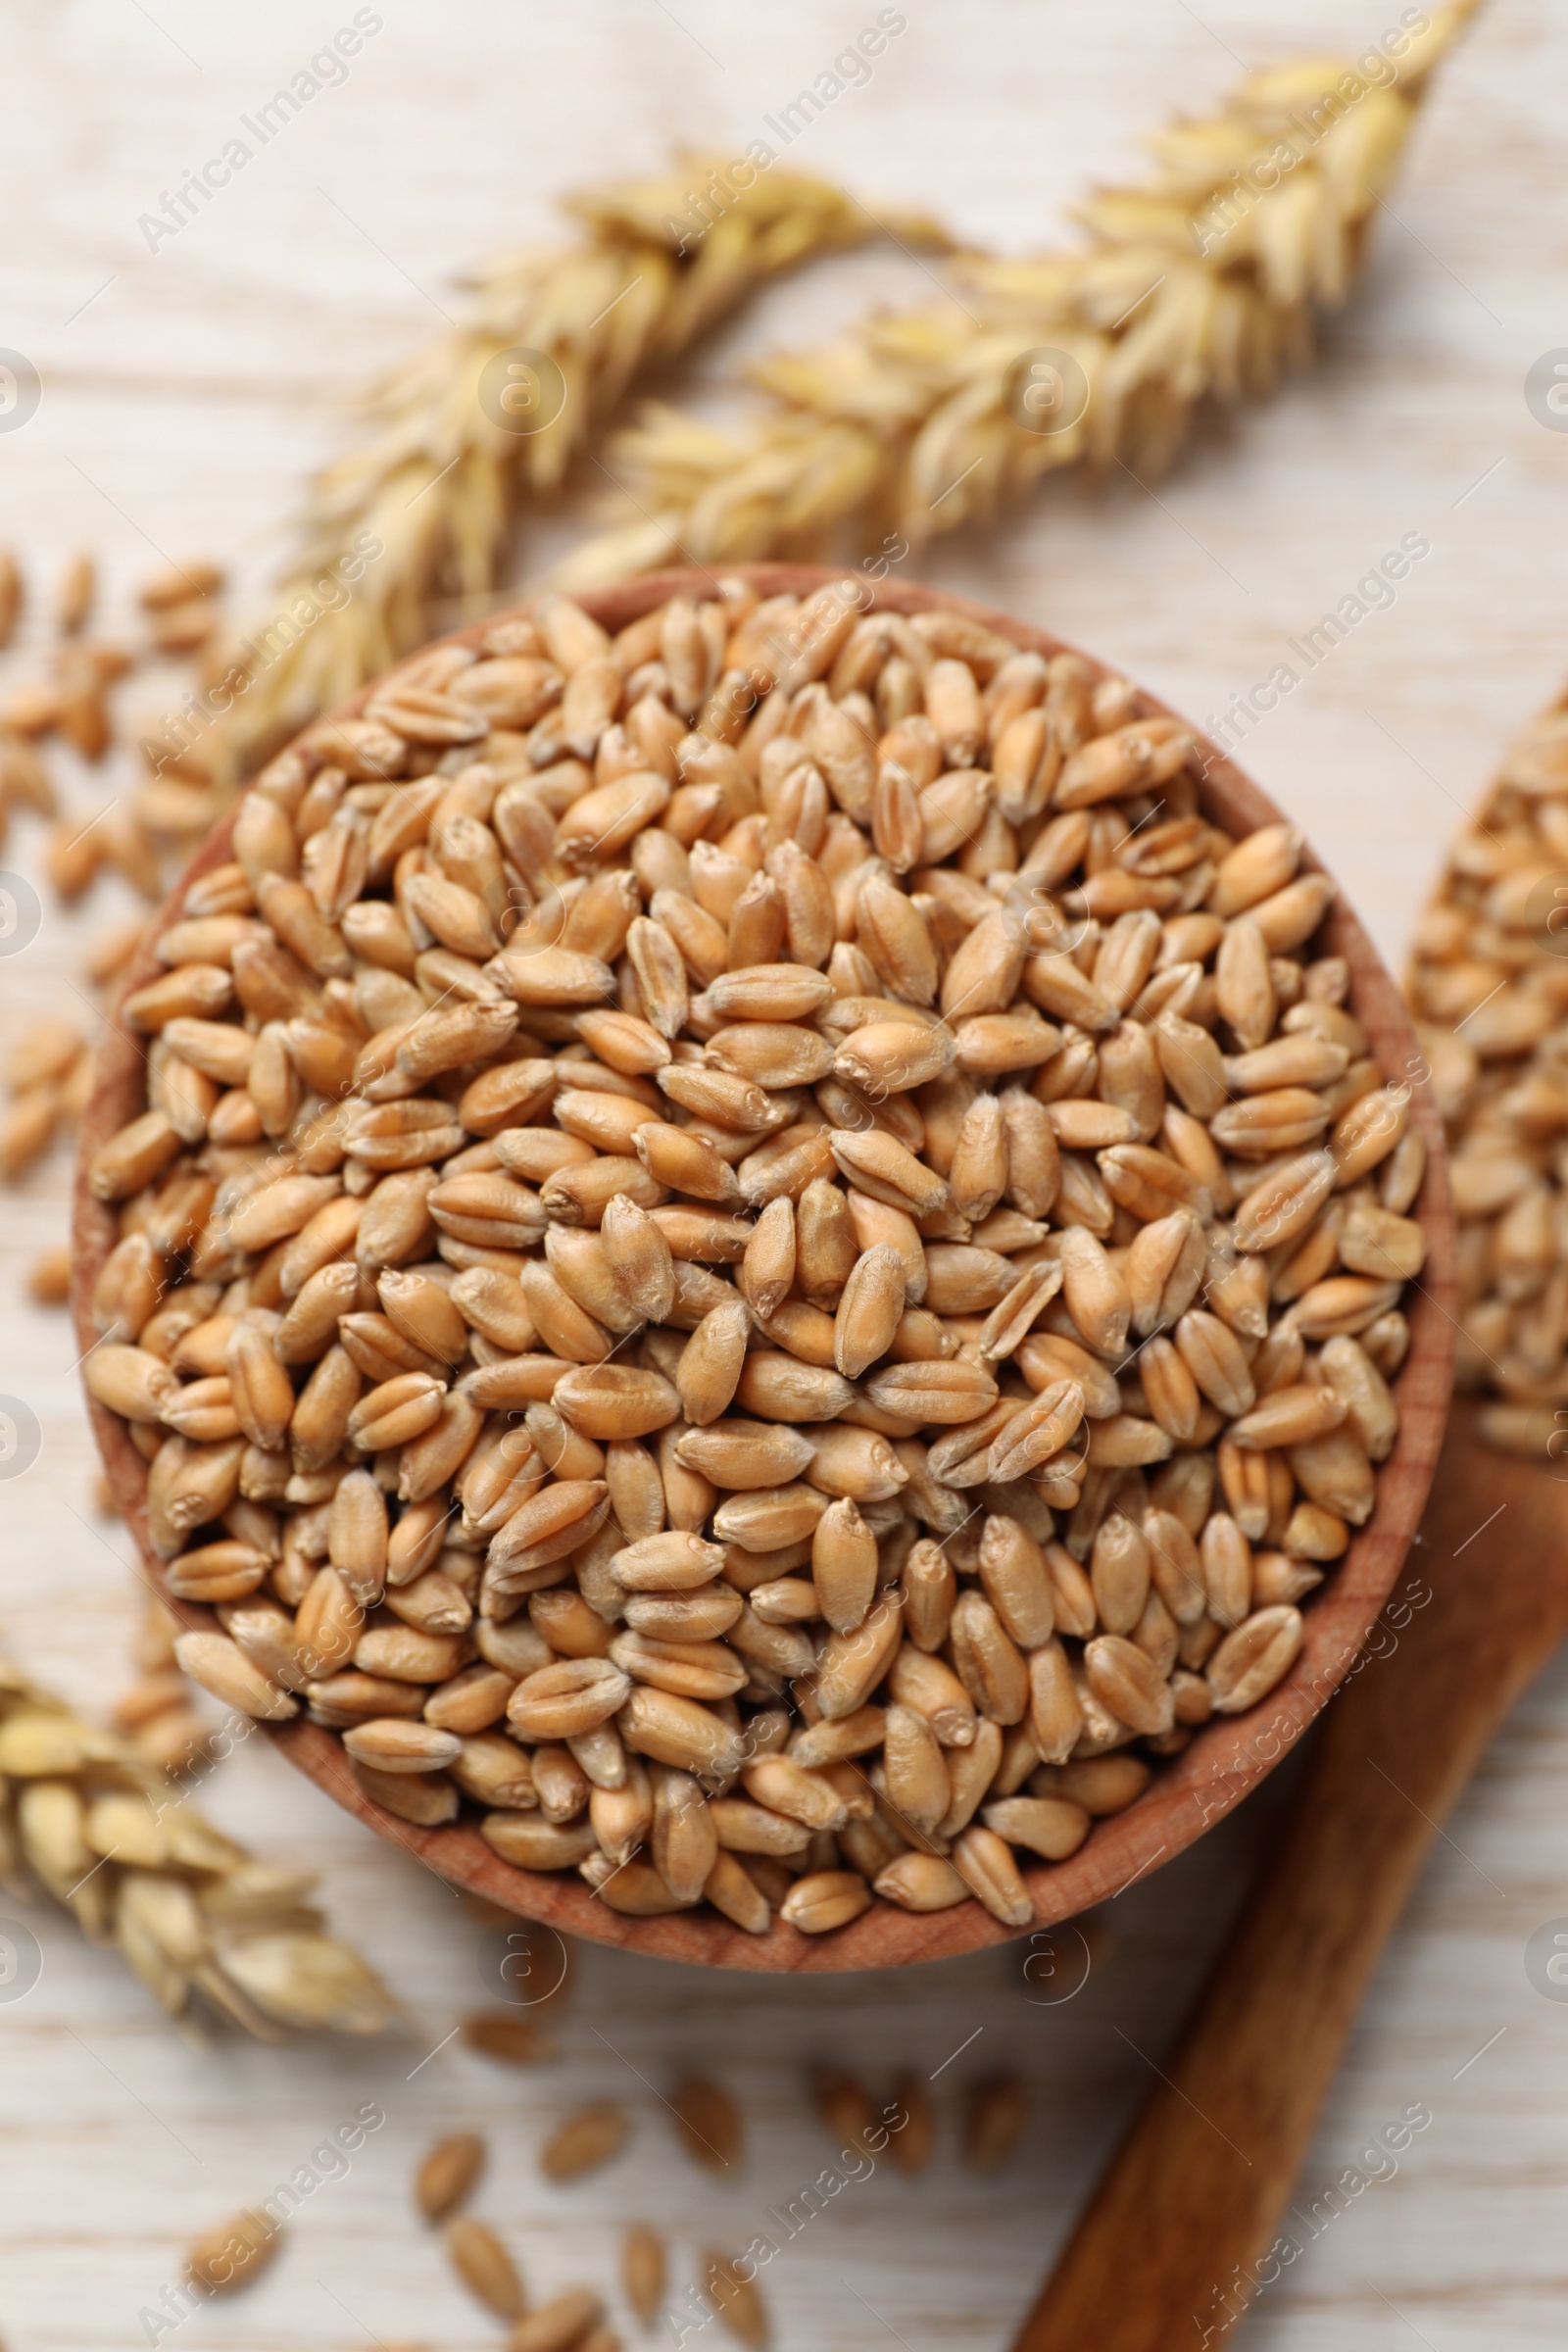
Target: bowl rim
column 1226, row 1758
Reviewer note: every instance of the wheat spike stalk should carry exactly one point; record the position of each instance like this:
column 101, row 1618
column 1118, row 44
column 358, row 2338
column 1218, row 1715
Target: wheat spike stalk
column 439, row 482
column 1200, row 284
column 199, row 1921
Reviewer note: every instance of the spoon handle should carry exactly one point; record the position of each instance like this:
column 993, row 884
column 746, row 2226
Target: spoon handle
column 1178, row 2234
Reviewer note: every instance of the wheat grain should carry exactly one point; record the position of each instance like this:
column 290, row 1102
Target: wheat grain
column 50, row 1277
column 12, row 595
column 734, row 2295
column 710, row 2124
column 562, row 2323
column 485, row 2266
column 642, row 2269
column 586, row 2142
column 448, row 2175
column 998, row 2112
column 234, row 2253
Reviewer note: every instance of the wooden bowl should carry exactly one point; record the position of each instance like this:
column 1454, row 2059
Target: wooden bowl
column 1226, row 1758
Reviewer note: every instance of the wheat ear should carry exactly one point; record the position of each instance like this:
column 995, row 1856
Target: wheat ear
column 439, row 482
column 1200, row 284
column 200, row 1921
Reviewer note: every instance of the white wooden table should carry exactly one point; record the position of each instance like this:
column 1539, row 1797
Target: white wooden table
column 186, row 391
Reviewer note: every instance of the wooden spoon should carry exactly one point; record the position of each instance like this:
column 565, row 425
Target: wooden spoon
column 1185, row 2215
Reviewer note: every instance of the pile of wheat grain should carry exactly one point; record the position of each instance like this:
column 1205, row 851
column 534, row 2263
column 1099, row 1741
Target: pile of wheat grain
column 756, row 1248
column 1488, row 987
